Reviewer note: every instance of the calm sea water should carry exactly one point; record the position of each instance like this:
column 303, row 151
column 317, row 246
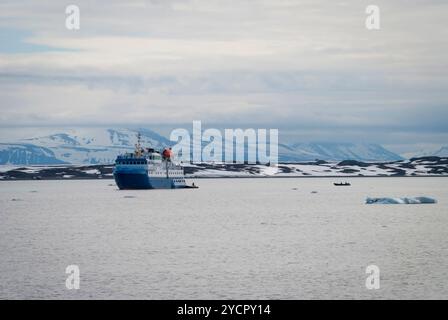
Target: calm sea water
column 230, row 239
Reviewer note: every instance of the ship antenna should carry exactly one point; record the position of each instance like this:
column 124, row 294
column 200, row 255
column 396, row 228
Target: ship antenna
column 138, row 145
column 139, row 139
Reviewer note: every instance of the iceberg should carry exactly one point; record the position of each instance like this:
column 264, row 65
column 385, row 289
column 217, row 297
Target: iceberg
column 405, row 200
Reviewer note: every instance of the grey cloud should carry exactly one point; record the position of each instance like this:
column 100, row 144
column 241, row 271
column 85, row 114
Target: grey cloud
column 307, row 67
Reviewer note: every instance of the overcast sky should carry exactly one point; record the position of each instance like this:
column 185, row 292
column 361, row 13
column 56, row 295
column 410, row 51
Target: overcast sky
column 309, row 68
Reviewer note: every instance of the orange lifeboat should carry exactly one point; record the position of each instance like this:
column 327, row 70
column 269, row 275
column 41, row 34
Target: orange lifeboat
column 167, row 153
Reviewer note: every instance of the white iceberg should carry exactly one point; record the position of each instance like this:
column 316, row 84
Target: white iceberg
column 405, row 200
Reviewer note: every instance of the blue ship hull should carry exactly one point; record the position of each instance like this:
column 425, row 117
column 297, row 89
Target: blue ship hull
column 143, row 181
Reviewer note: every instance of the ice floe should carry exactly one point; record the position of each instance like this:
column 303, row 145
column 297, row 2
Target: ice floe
column 404, row 200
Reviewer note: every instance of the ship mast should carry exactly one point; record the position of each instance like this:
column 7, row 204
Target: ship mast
column 138, row 147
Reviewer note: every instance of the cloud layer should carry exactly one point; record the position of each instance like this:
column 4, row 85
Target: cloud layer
column 309, row 68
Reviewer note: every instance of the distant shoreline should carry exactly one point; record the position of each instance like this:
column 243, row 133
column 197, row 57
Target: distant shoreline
column 347, row 169
column 230, row 177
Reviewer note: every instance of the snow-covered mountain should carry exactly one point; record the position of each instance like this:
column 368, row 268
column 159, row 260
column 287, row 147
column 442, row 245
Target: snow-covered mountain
column 78, row 146
column 439, row 152
column 102, row 145
column 442, row 152
column 11, row 153
column 335, row 151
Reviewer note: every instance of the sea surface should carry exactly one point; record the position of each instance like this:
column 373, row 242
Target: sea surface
column 255, row 238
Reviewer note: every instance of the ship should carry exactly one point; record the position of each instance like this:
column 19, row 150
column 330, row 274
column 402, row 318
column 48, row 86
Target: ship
column 147, row 168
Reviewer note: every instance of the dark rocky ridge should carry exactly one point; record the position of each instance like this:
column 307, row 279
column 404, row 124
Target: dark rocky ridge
column 426, row 166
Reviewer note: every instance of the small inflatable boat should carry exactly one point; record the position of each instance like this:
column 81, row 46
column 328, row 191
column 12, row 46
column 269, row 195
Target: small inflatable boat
column 342, row 184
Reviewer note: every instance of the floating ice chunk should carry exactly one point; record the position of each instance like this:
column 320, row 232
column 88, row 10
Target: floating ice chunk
column 415, row 200
column 426, row 200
